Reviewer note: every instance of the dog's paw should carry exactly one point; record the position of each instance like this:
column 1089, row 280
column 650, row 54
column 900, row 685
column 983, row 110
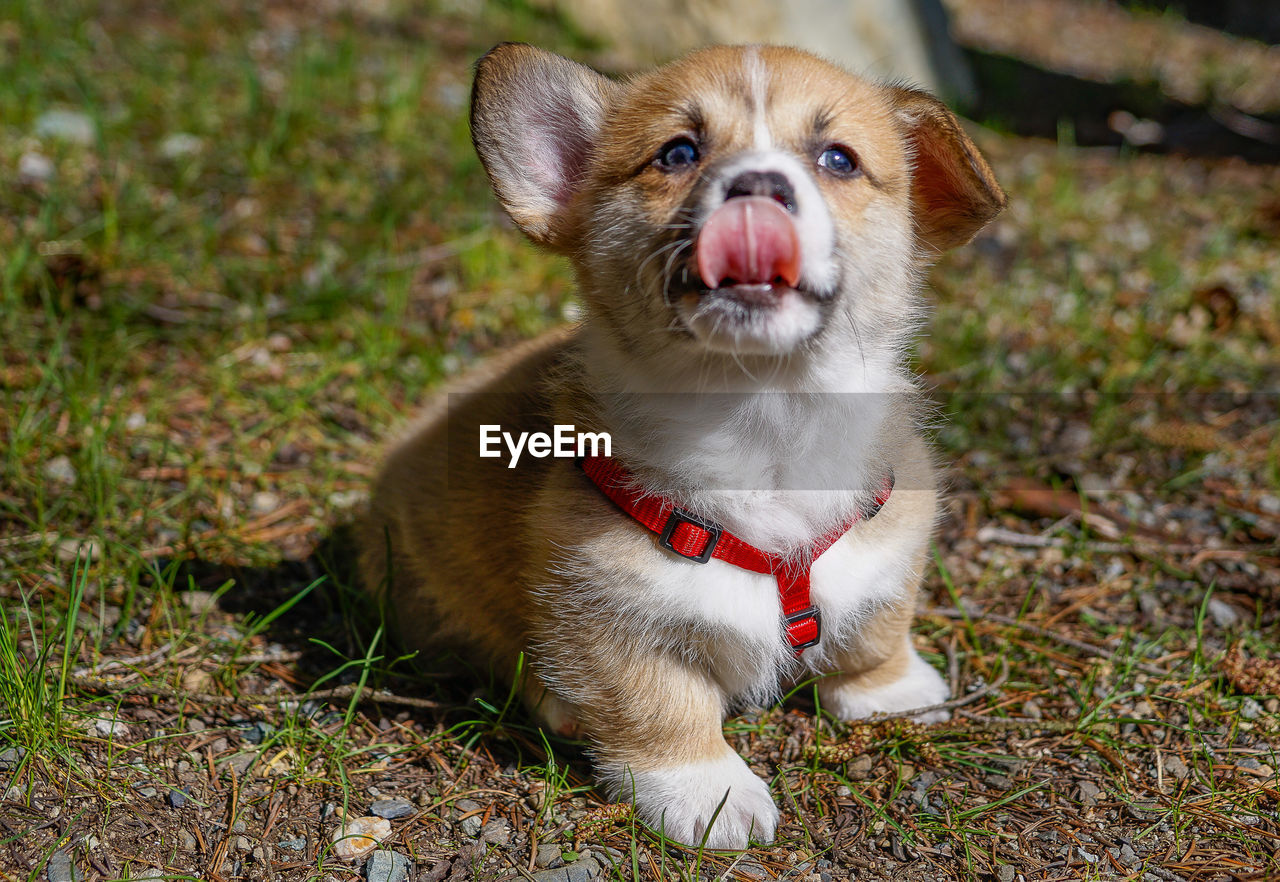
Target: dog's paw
column 558, row 716
column 920, row 686
column 681, row 800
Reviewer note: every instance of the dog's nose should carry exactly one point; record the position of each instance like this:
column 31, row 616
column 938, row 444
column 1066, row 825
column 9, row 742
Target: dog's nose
column 763, row 183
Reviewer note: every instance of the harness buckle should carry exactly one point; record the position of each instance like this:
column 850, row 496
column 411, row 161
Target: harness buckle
column 799, row 618
column 679, row 516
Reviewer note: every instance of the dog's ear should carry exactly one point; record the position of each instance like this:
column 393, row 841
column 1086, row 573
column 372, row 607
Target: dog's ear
column 535, row 118
column 953, row 192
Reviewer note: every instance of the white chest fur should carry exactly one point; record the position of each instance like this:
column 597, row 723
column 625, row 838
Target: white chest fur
column 731, row 617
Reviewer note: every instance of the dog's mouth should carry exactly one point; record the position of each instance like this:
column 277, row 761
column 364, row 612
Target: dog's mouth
column 742, row 289
column 747, row 254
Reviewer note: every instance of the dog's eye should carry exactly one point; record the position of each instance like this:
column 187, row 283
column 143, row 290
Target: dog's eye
column 677, row 153
column 839, row 161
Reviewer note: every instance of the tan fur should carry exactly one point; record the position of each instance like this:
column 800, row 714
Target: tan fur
column 535, row 560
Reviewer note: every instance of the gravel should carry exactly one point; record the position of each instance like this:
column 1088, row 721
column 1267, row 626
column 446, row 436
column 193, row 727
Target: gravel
column 393, row 808
column 10, row 757
column 61, row 868
column 470, row 826
column 387, row 866
column 580, row 870
column 66, row 125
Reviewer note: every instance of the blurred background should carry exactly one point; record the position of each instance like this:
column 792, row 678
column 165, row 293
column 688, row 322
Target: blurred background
column 240, row 241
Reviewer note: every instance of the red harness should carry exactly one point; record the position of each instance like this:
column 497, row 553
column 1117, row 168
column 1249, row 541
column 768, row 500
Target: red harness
column 700, row 541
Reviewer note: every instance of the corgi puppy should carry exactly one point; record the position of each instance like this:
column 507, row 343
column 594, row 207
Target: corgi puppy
column 749, row 227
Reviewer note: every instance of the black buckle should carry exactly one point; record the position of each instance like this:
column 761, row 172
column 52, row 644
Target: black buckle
column 678, row 517
column 809, row 613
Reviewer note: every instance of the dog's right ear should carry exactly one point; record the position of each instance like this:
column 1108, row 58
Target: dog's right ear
column 535, row 118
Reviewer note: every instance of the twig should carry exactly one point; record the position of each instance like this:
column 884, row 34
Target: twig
column 364, row 693
column 992, row 535
column 1022, row 725
column 1088, row 648
column 27, row 538
column 107, row 665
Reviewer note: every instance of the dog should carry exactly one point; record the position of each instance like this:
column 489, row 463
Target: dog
column 749, row 227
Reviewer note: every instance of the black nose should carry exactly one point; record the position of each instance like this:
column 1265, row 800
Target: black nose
column 758, row 183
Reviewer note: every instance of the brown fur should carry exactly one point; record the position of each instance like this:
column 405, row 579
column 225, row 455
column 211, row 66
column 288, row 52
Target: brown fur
column 535, row 560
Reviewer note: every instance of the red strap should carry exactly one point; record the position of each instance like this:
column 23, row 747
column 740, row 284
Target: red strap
column 701, row 540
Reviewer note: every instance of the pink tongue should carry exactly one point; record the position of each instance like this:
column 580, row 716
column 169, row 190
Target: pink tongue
column 751, row 240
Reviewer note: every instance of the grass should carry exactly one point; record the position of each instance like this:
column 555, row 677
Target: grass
column 276, row 241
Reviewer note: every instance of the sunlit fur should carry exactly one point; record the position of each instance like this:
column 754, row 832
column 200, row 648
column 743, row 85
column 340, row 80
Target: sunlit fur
column 776, row 421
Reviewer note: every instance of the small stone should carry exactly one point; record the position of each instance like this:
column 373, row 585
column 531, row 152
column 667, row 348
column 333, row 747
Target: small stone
column 61, row 470
column 1128, row 857
column 843, row 790
column 10, row 757
column 469, row 821
column 1173, row 765
column 548, row 856
column 1089, row 857
column 386, row 866
column 148, row 792
column 358, row 837
column 110, row 728
column 1088, row 792
column 35, row 168
column 180, row 144
column 243, row 843
column 239, row 826
column 1031, row 709
column 997, row 781
column 1250, row 709
column 299, row 844
column 1224, row 615
column 198, row 603
column 71, row 550
column 176, row 798
column 1006, row 873
column 61, row 868
column 264, row 502
column 65, row 125
column 860, row 768
column 188, row 841
column 343, row 499
column 239, row 763
column 496, row 832
column 393, row 808
column 752, row 869
column 582, row 870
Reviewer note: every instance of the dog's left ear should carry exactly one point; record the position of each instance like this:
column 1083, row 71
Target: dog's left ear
column 953, row 191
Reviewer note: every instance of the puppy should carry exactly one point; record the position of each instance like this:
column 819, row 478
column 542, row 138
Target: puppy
column 749, row 227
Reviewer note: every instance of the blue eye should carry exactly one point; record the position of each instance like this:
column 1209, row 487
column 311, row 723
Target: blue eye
column 839, row 161
column 677, row 153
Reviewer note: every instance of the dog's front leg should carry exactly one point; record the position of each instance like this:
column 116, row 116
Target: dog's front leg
column 655, row 723
column 881, row 672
